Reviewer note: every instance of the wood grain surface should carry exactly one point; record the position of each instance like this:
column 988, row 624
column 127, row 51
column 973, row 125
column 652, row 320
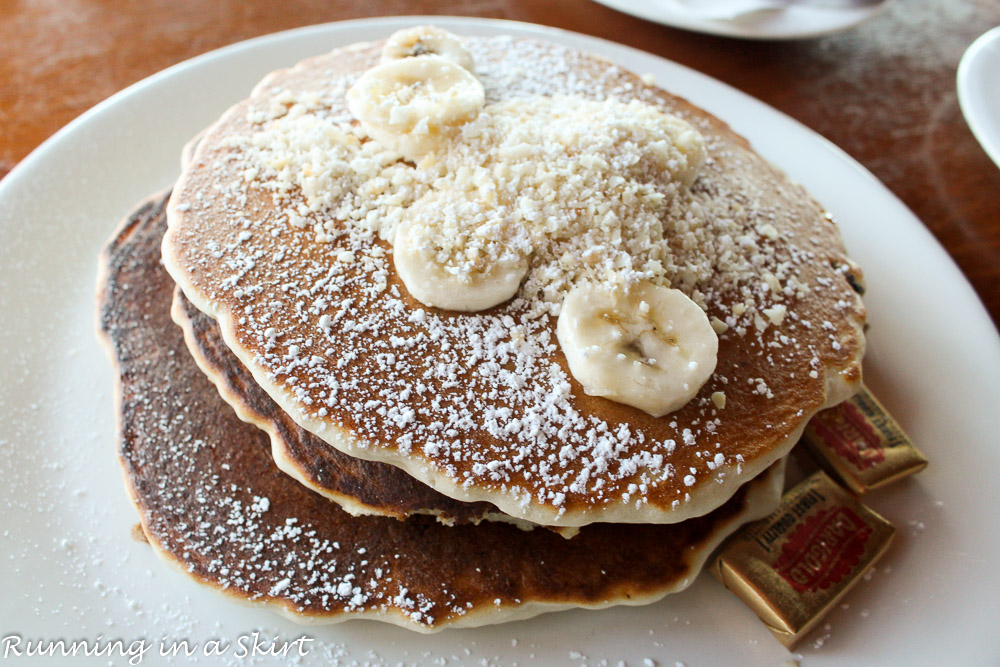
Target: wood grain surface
column 884, row 91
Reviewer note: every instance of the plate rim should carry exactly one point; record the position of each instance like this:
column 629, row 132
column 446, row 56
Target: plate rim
column 967, row 93
column 733, row 29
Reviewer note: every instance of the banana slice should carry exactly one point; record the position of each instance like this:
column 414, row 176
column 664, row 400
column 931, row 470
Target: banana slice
column 456, row 277
column 651, row 347
column 686, row 155
column 413, row 105
column 427, row 39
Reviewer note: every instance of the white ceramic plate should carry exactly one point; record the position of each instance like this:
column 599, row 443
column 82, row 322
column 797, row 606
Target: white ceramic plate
column 794, row 22
column 979, row 91
column 71, row 570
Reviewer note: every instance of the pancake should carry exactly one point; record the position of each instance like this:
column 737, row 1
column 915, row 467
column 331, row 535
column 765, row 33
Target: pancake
column 357, row 485
column 212, row 503
column 482, row 406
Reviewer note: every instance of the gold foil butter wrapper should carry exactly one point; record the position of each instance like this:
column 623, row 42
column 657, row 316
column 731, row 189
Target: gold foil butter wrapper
column 793, row 566
column 862, row 444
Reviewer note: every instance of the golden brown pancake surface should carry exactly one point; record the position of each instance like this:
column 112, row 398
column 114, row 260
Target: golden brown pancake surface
column 359, row 485
column 212, row 502
column 460, row 402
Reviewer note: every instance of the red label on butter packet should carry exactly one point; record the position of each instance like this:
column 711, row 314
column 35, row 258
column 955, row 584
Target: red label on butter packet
column 823, row 549
column 862, row 444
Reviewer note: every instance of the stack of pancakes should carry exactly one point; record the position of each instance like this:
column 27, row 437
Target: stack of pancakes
column 298, row 431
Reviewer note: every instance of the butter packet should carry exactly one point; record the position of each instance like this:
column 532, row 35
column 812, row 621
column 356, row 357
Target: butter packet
column 793, row 566
column 862, row 444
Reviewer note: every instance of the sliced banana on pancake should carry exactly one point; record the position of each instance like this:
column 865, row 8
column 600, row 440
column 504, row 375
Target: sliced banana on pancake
column 424, row 40
column 413, row 105
column 650, row 347
column 684, row 155
column 480, row 269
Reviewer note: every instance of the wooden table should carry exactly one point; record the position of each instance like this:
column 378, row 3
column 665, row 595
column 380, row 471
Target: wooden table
column 884, row 92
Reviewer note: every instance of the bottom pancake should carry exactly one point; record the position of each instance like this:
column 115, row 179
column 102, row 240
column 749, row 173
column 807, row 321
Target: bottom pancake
column 213, row 503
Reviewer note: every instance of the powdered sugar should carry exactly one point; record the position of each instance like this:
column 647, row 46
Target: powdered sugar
column 580, row 185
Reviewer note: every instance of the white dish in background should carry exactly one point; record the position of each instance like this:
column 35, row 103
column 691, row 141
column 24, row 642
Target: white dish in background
column 71, row 570
column 979, row 91
column 797, row 21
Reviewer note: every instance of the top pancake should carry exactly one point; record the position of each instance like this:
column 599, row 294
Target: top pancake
column 481, row 406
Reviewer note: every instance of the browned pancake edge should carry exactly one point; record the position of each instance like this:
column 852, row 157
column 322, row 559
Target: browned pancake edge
column 358, row 485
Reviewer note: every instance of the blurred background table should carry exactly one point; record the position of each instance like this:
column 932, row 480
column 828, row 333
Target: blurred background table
column 884, row 91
